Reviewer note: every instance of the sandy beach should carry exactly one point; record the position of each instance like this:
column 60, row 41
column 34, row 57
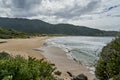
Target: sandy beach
column 23, row 47
column 55, row 55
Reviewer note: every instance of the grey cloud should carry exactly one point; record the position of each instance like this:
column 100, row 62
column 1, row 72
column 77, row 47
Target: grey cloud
column 26, row 8
column 19, row 8
column 25, row 4
column 108, row 9
column 113, row 15
column 78, row 10
column 4, row 9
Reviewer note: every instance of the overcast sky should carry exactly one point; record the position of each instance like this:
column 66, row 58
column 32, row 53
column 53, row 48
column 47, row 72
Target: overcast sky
column 101, row 14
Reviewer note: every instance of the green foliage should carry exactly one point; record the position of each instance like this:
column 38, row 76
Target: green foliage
column 108, row 66
column 9, row 33
column 57, row 73
column 4, row 55
column 116, row 77
column 18, row 68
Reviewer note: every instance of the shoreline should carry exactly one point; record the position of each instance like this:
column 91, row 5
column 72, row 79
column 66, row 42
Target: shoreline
column 57, row 56
column 30, row 47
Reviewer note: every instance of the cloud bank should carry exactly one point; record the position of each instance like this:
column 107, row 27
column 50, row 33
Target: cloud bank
column 79, row 12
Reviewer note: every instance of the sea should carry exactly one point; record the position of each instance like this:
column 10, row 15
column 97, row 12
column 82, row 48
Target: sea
column 82, row 49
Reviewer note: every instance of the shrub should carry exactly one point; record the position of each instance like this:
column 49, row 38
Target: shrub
column 117, row 77
column 19, row 68
column 10, row 33
column 57, row 73
column 108, row 66
column 4, row 55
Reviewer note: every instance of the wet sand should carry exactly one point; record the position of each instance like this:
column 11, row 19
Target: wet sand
column 57, row 56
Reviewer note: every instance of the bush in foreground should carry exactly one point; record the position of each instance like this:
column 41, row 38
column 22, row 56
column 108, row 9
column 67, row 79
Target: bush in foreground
column 108, row 66
column 19, row 68
column 4, row 55
column 57, row 73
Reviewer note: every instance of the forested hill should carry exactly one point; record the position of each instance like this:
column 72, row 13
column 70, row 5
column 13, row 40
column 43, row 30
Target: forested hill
column 9, row 33
column 38, row 26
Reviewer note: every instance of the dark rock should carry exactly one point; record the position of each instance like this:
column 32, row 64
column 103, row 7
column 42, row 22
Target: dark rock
column 3, row 42
column 80, row 77
column 70, row 74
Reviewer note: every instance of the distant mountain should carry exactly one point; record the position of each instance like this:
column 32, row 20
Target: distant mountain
column 38, row 26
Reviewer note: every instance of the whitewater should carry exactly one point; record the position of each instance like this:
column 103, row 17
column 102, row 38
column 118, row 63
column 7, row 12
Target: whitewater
column 82, row 49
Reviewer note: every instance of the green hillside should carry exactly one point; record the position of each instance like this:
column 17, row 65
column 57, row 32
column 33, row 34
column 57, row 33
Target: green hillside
column 9, row 33
column 41, row 27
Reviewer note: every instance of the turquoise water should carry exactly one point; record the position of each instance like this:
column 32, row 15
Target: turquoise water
column 81, row 48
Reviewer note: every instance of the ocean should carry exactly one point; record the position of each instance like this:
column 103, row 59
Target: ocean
column 82, row 49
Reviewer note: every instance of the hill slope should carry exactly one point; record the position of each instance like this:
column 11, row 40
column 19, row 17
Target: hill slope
column 9, row 33
column 38, row 26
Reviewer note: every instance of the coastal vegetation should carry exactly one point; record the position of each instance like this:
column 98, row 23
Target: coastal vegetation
column 19, row 68
column 108, row 65
column 41, row 27
column 10, row 33
column 6, row 33
column 57, row 73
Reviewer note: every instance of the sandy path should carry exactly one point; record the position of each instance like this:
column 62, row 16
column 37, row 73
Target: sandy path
column 63, row 64
column 23, row 47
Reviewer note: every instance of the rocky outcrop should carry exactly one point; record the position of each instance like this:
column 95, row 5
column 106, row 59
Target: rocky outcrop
column 70, row 74
column 80, row 77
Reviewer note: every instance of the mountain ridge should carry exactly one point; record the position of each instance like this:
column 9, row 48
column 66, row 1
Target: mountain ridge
column 41, row 27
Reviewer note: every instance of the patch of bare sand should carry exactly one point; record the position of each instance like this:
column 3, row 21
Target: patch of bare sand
column 23, row 47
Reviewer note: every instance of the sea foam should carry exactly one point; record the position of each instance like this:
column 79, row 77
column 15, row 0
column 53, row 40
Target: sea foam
column 83, row 50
